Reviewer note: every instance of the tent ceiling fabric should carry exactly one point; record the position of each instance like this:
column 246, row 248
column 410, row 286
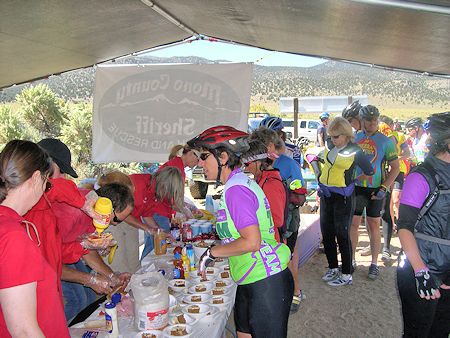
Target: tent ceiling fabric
column 38, row 38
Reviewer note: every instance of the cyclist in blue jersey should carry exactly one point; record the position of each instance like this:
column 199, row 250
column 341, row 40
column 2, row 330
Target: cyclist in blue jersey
column 289, row 171
column 419, row 136
column 322, row 130
column 371, row 191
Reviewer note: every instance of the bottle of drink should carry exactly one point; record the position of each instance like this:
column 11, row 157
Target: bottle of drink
column 191, row 255
column 111, row 320
column 186, row 263
column 178, row 271
column 187, row 232
column 160, row 242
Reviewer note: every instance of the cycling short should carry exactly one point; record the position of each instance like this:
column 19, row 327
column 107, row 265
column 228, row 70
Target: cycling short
column 363, row 197
column 269, row 298
column 398, row 183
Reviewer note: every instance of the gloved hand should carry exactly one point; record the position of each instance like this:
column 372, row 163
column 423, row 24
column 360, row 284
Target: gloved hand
column 88, row 207
column 425, row 285
column 380, row 193
column 119, row 279
column 99, row 284
column 206, row 260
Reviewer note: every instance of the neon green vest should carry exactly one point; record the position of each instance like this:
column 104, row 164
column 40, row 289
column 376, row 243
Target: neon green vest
column 272, row 257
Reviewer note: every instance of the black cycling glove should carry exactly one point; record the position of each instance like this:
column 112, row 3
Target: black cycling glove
column 207, row 259
column 425, row 284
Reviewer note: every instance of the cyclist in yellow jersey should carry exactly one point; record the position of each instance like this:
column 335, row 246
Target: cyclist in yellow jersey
column 390, row 214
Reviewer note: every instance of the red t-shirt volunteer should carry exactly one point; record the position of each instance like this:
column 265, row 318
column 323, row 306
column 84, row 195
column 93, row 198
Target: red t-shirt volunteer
column 145, row 203
column 43, row 217
column 21, row 262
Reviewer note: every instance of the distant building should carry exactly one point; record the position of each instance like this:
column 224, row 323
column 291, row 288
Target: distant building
column 319, row 104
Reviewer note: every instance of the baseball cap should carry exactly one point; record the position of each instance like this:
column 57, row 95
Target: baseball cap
column 60, row 154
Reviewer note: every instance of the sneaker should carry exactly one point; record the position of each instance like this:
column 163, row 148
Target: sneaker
column 330, row 275
column 343, row 279
column 386, row 255
column 374, row 271
column 365, row 251
column 296, row 299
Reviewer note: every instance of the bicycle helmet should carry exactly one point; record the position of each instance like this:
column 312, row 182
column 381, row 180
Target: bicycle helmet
column 325, row 115
column 352, row 110
column 414, row 123
column 438, row 126
column 369, row 112
column 272, row 122
column 221, row 136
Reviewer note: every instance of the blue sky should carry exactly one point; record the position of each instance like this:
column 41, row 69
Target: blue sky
column 232, row 52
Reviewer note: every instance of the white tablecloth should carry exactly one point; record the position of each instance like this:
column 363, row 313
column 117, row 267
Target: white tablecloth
column 207, row 327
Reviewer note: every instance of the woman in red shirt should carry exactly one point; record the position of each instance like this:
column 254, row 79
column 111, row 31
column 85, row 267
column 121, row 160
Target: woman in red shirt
column 257, row 162
column 29, row 301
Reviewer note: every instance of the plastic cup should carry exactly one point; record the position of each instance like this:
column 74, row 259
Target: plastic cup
column 196, row 229
column 206, row 227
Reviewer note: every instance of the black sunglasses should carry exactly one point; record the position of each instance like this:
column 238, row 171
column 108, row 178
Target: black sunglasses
column 204, row 156
column 248, row 163
column 115, row 219
column 334, row 137
column 48, row 186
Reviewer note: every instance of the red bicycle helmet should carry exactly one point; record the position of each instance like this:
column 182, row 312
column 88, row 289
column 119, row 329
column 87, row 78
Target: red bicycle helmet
column 221, row 136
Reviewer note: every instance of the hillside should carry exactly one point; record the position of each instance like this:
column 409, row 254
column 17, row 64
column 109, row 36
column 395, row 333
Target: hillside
column 388, row 90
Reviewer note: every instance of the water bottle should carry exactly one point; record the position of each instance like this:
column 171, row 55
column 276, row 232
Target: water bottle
column 209, row 204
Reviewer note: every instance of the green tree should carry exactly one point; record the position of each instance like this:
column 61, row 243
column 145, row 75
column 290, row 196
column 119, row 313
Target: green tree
column 42, row 109
column 258, row 108
column 77, row 132
column 13, row 127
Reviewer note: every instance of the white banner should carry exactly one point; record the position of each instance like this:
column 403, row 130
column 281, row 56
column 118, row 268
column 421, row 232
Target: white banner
column 142, row 111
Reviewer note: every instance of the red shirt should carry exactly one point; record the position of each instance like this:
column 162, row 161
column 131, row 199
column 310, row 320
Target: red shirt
column 43, row 217
column 145, row 202
column 21, row 263
column 271, row 183
column 176, row 162
column 72, row 222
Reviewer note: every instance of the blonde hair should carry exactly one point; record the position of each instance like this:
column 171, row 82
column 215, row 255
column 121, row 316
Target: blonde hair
column 340, row 126
column 175, row 150
column 169, row 186
column 115, row 177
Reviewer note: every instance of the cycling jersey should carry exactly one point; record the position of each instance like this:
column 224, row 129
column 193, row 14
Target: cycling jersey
column 380, row 149
column 339, row 172
column 419, row 147
column 272, row 257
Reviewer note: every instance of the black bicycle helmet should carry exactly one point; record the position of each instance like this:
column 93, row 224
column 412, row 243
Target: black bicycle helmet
column 438, row 126
column 369, row 112
column 352, row 110
column 414, row 122
column 272, row 122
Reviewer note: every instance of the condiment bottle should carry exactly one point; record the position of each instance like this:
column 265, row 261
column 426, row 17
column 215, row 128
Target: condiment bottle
column 160, row 242
column 103, row 207
column 111, row 320
column 178, row 271
column 186, row 263
column 191, row 255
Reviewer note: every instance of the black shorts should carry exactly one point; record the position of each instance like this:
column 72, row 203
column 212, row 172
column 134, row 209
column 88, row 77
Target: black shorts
column 398, row 183
column 363, row 197
column 262, row 308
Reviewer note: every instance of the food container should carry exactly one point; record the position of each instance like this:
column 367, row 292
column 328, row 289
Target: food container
column 197, row 298
column 149, row 334
column 178, row 285
column 204, row 287
column 203, row 310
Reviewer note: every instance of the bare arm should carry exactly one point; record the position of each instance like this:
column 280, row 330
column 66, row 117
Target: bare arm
column 19, row 310
column 149, row 227
column 250, row 241
column 96, row 263
column 409, row 245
